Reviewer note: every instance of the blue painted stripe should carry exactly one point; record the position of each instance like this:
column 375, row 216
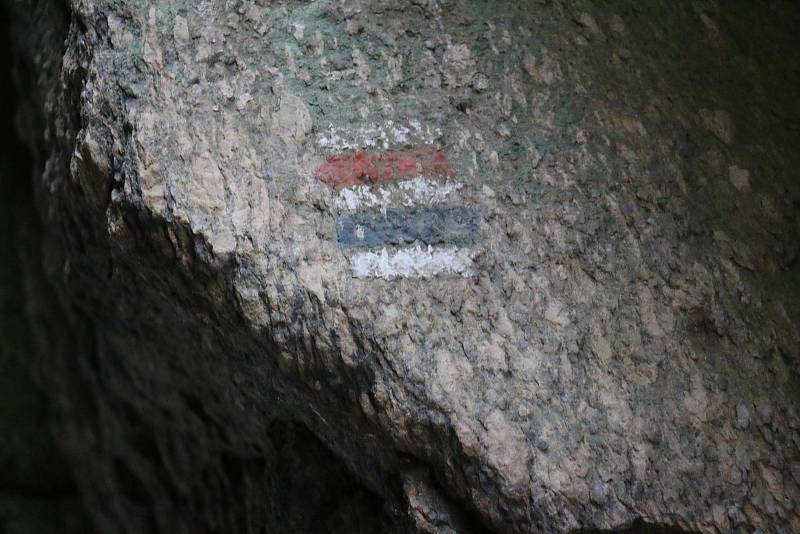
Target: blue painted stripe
column 456, row 226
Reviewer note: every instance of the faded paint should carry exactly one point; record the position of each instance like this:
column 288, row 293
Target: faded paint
column 455, row 226
column 421, row 190
column 378, row 136
column 412, row 263
column 349, row 169
column 396, row 165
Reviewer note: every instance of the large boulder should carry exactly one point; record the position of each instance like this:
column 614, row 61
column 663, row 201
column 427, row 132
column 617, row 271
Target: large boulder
column 420, row 265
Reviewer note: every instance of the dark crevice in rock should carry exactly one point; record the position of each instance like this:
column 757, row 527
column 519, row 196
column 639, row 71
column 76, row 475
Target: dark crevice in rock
column 429, row 500
column 37, row 489
column 638, row 526
column 317, row 493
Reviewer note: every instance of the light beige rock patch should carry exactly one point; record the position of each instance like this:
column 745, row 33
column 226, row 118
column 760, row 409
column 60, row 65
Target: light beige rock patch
column 152, row 182
column 311, row 278
column 203, row 201
column 292, row 121
column 740, row 178
column 507, row 450
column 223, row 242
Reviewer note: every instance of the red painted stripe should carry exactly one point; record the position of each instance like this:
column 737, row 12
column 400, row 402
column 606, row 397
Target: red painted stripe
column 355, row 168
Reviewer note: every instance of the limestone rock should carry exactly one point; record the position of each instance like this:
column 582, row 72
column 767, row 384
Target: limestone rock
column 595, row 357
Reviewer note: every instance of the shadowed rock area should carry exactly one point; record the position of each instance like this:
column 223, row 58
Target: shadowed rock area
column 409, row 266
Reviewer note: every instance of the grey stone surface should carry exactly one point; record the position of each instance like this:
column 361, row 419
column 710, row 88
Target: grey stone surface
column 396, row 227
column 626, row 350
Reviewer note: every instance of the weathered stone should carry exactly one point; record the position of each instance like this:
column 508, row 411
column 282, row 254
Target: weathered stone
column 615, row 344
column 740, row 178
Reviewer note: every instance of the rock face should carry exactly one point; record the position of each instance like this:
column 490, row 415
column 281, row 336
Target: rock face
column 419, row 265
column 37, row 494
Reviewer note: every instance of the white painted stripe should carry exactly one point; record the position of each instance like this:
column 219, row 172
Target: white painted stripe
column 413, row 263
column 420, row 191
column 390, row 134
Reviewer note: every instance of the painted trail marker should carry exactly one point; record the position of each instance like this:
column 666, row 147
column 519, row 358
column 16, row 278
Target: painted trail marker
column 419, row 191
column 435, row 226
column 413, row 262
column 359, row 167
column 415, row 234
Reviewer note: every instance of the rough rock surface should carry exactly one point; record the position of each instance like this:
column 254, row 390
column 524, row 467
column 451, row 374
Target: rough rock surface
column 623, row 347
